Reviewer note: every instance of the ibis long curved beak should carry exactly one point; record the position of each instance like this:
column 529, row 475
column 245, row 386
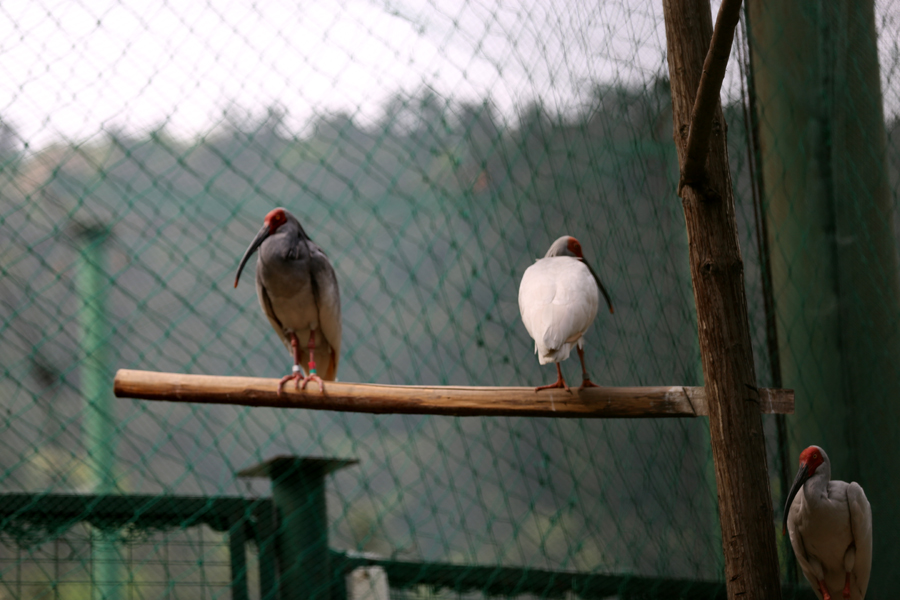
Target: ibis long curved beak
column 257, row 241
column 799, row 480
column 599, row 285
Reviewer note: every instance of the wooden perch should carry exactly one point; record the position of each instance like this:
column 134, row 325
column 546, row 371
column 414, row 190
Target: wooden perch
column 694, row 169
column 460, row 401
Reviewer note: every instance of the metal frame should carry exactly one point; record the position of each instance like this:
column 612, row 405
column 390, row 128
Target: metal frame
column 258, row 520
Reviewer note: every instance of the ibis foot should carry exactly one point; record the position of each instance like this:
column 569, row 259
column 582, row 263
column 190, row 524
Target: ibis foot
column 586, row 384
column 312, row 377
column 300, row 381
column 559, row 383
column 554, row 385
column 824, row 590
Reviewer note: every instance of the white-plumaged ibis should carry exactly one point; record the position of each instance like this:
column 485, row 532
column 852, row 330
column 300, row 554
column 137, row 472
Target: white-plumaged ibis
column 558, row 299
column 298, row 292
column 830, row 523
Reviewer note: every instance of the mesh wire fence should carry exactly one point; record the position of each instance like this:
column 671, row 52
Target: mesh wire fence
column 189, row 563
column 433, row 150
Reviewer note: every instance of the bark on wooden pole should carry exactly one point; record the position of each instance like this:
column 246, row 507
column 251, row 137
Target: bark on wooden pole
column 693, row 168
column 738, row 444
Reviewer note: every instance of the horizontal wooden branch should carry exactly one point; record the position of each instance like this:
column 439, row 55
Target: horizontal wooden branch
column 601, row 402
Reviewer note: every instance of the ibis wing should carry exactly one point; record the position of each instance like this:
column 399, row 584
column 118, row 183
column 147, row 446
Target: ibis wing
column 269, row 311
column 328, row 303
column 794, row 517
column 535, row 292
column 861, row 525
column 562, row 323
column 558, row 300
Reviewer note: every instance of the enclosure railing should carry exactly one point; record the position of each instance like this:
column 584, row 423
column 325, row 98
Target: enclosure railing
column 290, row 530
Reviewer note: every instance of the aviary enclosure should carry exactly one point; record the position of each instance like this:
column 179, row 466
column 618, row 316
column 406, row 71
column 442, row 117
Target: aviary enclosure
column 434, row 150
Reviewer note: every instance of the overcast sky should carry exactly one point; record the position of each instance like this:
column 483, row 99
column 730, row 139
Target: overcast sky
column 72, row 69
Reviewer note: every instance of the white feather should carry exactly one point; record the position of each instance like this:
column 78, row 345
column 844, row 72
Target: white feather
column 558, row 300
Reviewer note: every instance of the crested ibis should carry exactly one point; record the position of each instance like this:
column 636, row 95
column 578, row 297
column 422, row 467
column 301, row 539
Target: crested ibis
column 830, row 523
column 558, row 300
column 298, row 292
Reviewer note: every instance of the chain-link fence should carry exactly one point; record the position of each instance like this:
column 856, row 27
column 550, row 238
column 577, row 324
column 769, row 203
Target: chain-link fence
column 433, row 150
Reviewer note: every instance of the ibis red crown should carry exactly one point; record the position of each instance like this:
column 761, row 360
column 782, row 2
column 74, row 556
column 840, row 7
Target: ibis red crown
column 812, row 458
column 275, row 219
column 574, row 247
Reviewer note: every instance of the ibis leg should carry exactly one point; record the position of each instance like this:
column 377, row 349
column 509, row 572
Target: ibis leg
column 297, row 375
column 312, row 376
column 559, row 383
column 847, row 587
column 586, row 380
column 824, row 590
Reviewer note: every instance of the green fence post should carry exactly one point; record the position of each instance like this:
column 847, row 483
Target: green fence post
column 98, row 430
column 301, row 539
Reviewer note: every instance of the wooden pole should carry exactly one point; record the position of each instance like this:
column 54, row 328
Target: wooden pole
column 620, row 402
column 738, row 444
column 693, row 170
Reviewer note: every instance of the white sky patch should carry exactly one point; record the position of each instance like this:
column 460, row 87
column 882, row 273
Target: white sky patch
column 71, row 70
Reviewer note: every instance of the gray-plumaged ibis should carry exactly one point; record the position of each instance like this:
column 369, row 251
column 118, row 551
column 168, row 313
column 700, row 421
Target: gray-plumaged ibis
column 830, row 523
column 558, row 299
column 298, row 292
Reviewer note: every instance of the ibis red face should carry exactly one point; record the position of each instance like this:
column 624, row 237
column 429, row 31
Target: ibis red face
column 810, row 460
column 275, row 219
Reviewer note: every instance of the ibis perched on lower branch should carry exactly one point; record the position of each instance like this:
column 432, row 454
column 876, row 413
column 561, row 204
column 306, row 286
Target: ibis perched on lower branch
column 298, row 292
column 830, row 523
column 558, row 299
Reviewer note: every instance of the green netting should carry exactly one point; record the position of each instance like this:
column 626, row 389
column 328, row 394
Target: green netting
column 434, row 150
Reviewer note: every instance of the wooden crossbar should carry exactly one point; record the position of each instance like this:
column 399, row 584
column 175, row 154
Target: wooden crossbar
column 461, row 401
